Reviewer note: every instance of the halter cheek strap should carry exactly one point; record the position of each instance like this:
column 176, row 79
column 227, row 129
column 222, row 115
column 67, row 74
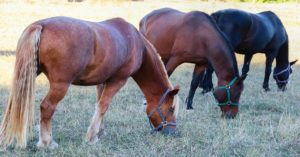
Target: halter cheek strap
column 281, row 72
column 164, row 121
column 227, row 89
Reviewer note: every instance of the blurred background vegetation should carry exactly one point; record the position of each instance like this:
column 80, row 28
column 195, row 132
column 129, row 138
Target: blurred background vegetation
column 249, row 1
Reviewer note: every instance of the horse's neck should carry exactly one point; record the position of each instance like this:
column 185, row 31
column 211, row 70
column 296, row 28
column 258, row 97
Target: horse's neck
column 151, row 77
column 225, row 66
column 282, row 58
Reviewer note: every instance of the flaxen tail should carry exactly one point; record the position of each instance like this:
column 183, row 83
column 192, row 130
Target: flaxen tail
column 19, row 114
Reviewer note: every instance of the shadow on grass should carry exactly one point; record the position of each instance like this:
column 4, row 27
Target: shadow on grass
column 7, row 53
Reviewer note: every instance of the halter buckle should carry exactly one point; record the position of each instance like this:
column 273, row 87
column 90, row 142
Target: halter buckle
column 227, row 86
column 164, row 123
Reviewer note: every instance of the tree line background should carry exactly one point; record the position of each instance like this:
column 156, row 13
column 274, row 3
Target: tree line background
column 249, row 1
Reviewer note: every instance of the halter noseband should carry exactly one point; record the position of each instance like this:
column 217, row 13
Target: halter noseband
column 162, row 116
column 227, row 88
column 281, row 72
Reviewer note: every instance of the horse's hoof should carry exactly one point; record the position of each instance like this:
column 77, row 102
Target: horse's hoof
column 205, row 91
column 92, row 141
column 189, row 108
column 267, row 89
column 53, row 145
column 50, row 145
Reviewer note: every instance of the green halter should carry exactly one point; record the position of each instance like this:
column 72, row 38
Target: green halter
column 227, row 88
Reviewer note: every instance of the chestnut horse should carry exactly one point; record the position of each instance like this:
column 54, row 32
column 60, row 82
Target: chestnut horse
column 71, row 51
column 251, row 33
column 194, row 38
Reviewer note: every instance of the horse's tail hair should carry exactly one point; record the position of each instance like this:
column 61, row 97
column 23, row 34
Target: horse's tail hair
column 19, row 115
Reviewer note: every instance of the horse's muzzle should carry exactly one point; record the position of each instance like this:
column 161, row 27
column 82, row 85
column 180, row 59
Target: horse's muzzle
column 282, row 87
column 228, row 115
column 168, row 130
column 229, row 111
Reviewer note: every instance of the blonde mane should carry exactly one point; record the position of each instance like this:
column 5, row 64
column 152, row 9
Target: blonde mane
column 158, row 62
column 161, row 67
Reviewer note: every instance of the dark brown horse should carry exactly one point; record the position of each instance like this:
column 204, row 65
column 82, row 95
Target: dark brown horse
column 194, row 38
column 71, row 51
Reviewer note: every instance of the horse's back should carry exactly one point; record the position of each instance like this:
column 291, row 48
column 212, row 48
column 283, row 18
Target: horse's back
column 86, row 53
column 250, row 32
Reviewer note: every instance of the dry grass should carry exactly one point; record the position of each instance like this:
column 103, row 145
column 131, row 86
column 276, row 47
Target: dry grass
column 268, row 123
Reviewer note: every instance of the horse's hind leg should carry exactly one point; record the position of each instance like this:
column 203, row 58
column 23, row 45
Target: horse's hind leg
column 247, row 61
column 197, row 78
column 108, row 90
column 207, row 81
column 56, row 93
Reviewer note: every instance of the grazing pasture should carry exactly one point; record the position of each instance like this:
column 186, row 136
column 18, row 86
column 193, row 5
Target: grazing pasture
column 268, row 124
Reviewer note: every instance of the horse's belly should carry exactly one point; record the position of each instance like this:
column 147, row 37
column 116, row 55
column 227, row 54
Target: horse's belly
column 95, row 74
column 90, row 80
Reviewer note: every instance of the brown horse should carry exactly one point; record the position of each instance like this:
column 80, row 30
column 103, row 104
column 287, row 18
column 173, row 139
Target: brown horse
column 71, row 51
column 194, row 38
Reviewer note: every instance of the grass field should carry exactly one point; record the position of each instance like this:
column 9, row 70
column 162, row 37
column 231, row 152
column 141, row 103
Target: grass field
column 268, row 123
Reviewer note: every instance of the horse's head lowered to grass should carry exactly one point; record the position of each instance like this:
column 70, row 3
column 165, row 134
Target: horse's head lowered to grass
column 228, row 96
column 282, row 75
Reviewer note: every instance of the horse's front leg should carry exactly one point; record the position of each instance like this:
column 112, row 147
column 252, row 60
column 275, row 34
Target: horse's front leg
column 105, row 94
column 56, row 93
column 268, row 70
column 197, row 78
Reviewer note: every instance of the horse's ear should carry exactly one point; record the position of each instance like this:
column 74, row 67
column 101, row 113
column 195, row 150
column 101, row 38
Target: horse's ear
column 293, row 62
column 175, row 90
